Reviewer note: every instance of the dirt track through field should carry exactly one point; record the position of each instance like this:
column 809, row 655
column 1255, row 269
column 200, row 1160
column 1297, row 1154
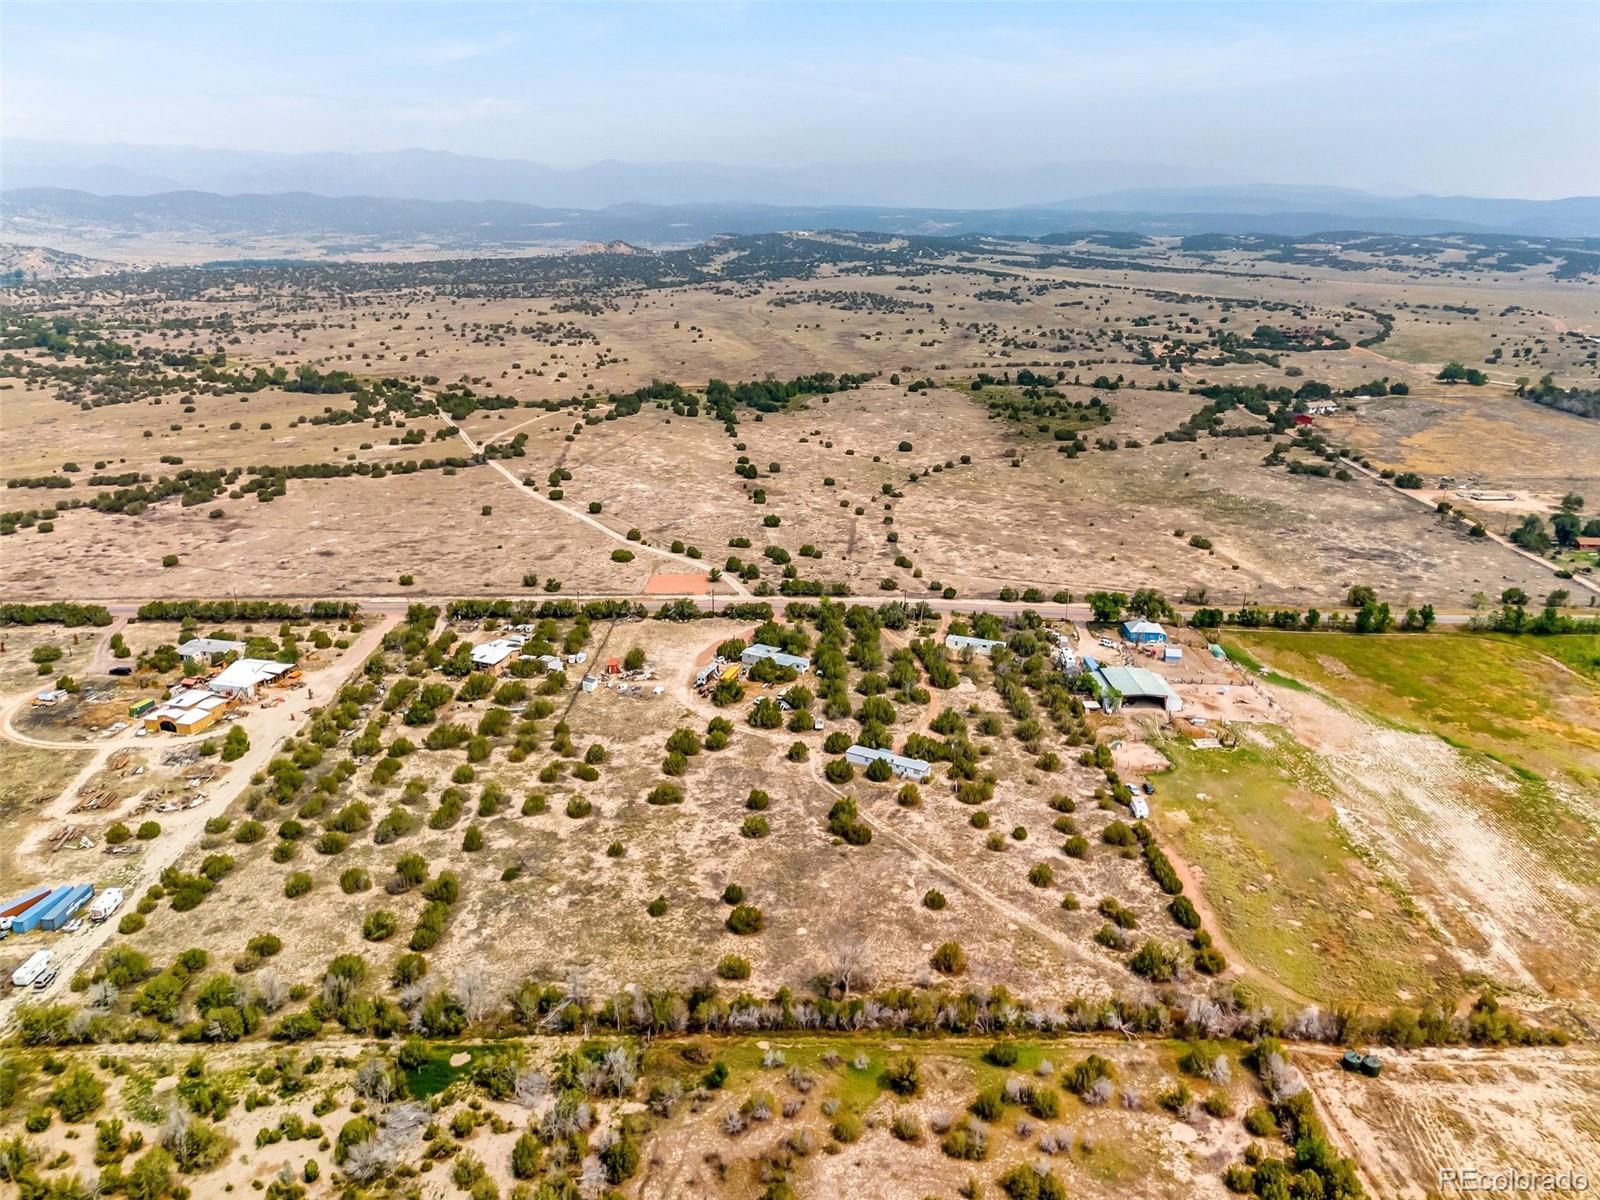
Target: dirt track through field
column 635, row 547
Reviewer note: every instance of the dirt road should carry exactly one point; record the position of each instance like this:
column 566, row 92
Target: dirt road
column 1505, row 543
column 684, row 560
column 268, row 728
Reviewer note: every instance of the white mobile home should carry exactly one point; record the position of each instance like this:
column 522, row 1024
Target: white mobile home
column 960, row 641
column 915, row 769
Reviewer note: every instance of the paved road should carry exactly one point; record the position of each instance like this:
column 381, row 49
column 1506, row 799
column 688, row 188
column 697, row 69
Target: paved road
column 397, row 604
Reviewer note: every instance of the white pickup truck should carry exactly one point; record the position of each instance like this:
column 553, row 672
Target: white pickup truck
column 35, row 966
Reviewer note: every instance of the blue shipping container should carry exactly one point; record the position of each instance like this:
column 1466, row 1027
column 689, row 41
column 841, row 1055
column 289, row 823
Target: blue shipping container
column 64, row 911
column 29, row 921
column 58, row 910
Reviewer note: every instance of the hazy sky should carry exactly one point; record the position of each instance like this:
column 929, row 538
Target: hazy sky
column 1497, row 99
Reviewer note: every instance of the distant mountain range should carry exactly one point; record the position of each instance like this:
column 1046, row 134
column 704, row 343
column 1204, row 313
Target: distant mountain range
column 441, row 191
column 113, row 169
column 350, row 223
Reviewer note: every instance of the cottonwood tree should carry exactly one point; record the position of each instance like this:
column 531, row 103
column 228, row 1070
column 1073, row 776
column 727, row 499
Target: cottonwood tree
column 368, row 1160
column 850, row 963
column 531, row 1087
column 1280, row 1079
column 375, row 1079
column 473, row 990
column 270, row 990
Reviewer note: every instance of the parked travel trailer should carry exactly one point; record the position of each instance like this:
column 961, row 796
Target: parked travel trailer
column 38, row 962
column 106, row 903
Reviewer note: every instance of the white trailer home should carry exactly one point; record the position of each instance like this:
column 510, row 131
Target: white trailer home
column 38, row 963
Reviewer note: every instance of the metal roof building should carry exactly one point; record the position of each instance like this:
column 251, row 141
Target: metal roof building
column 209, row 647
column 242, row 676
column 189, row 710
column 905, row 768
column 495, row 653
column 1135, row 685
column 754, row 654
column 1143, row 631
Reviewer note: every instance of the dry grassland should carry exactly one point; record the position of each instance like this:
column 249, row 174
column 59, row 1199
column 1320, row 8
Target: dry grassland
column 38, row 433
column 351, row 537
column 1101, row 520
column 1493, row 1111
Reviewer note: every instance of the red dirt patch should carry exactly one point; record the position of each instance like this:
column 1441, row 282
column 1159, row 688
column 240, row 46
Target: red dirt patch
column 693, row 584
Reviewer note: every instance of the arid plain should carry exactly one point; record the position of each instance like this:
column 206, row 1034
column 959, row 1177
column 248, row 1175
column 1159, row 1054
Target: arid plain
column 604, row 922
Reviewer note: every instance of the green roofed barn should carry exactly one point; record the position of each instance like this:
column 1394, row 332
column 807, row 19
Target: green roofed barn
column 1138, row 686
